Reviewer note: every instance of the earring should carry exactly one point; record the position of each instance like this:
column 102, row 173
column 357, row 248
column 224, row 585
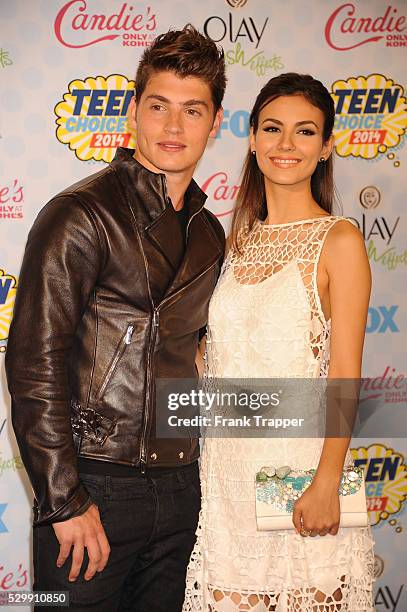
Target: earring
column 322, row 159
column 254, row 153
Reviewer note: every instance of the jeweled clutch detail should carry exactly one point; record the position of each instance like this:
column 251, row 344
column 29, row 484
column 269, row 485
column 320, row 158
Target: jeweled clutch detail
column 281, row 487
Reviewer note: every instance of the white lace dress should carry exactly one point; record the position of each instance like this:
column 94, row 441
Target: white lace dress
column 265, row 320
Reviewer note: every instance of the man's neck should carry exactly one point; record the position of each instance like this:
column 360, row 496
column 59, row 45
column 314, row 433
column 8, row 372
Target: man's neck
column 176, row 187
column 177, row 182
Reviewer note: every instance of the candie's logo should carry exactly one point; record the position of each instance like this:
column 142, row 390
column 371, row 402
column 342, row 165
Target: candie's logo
column 390, row 387
column 347, row 28
column 221, row 193
column 91, row 118
column 386, row 480
column 371, row 115
column 77, row 26
column 8, row 288
column 11, row 199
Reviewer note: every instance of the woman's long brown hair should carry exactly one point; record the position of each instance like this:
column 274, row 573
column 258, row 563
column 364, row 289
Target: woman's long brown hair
column 251, row 201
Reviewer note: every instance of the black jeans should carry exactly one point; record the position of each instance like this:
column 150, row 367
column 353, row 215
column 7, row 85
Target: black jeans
column 150, row 522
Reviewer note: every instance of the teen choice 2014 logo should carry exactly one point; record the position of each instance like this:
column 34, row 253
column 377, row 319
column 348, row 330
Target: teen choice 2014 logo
column 386, row 481
column 371, row 116
column 91, row 118
column 8, row 288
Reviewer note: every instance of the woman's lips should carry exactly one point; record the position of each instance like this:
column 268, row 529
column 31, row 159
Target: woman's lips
column 282, row 162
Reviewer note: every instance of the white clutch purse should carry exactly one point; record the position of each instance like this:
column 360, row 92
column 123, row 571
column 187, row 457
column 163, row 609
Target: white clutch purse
column 277, row 490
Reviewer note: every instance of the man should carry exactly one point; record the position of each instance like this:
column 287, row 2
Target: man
column 114, row 288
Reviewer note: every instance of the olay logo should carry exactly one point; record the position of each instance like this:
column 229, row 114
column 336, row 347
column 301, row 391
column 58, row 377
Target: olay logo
column 345, row 29
column 135, row 28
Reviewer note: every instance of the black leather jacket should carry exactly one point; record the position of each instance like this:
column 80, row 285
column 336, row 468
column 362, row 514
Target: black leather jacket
column 107, row 302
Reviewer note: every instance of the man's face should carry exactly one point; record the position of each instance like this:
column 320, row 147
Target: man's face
column 173, row 120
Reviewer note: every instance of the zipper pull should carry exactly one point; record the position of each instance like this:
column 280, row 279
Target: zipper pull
column 156, row 318
column 129, row 333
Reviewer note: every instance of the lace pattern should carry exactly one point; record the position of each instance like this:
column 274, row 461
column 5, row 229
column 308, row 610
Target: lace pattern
column 266, row 320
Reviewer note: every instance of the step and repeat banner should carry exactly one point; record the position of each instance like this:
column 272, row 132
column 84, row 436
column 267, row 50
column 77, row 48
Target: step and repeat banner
column 66, row 79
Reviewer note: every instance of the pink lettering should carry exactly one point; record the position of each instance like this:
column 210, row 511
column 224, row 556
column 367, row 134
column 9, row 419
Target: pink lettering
column 74, row 14
column 3, row 195
column 217, row 188
column 13, row 193
column 380, row 383
column 18, row 193
column 344, row 20
column 221, row 191
column 6, row 579
column 23, row 575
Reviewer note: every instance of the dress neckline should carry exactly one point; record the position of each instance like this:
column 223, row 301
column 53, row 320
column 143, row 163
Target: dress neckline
column 262, row 224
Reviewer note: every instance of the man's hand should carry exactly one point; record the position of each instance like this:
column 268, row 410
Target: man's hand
column 83, row 531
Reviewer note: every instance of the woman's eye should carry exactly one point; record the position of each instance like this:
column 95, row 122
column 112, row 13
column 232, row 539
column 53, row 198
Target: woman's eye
column 307, row 132
column 271, row 128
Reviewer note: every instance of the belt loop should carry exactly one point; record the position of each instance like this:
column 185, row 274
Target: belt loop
column 181, row 477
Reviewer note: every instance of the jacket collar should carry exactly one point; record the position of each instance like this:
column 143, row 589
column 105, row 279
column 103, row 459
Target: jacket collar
column 151, row 187
column 153, row 213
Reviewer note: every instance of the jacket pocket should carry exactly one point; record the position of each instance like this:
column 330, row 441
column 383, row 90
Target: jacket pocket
column 87, row 423
column 124, row 343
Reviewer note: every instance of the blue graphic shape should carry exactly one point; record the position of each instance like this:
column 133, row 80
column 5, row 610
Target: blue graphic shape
column 3, row 528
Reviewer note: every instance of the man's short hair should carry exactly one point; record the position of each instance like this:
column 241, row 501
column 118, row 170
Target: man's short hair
column 185, row 52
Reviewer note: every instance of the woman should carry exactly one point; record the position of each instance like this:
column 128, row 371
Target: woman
column 291, row 302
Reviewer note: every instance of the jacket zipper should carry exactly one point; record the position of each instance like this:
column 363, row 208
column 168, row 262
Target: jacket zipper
column 143, row 445
column 123, row 344
column 153, row 335
column 189, row 222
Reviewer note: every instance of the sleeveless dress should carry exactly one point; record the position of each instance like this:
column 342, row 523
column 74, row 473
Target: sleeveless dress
column 265, row 320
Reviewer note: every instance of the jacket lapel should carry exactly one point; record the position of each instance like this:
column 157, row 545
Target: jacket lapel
column 165, row 234
column 203, row 249
column 170, row 268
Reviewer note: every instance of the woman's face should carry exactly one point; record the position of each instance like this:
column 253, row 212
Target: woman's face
column 289, row 140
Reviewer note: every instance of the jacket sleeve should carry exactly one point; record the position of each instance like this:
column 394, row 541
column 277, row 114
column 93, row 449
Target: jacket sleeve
column 59, row 271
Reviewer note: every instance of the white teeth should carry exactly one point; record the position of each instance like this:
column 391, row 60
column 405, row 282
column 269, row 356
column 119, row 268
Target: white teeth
column 286, row 161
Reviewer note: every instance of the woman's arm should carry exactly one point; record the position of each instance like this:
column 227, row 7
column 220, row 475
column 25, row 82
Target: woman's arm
column 345, row 262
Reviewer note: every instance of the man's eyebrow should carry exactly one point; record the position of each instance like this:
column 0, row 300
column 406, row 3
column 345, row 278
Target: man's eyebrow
column 297, row 124
column 195, row 102
column 157, row 97
column 192, row 102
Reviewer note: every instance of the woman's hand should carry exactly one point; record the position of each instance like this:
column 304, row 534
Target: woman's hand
column 317, row 511
column 199, row 358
